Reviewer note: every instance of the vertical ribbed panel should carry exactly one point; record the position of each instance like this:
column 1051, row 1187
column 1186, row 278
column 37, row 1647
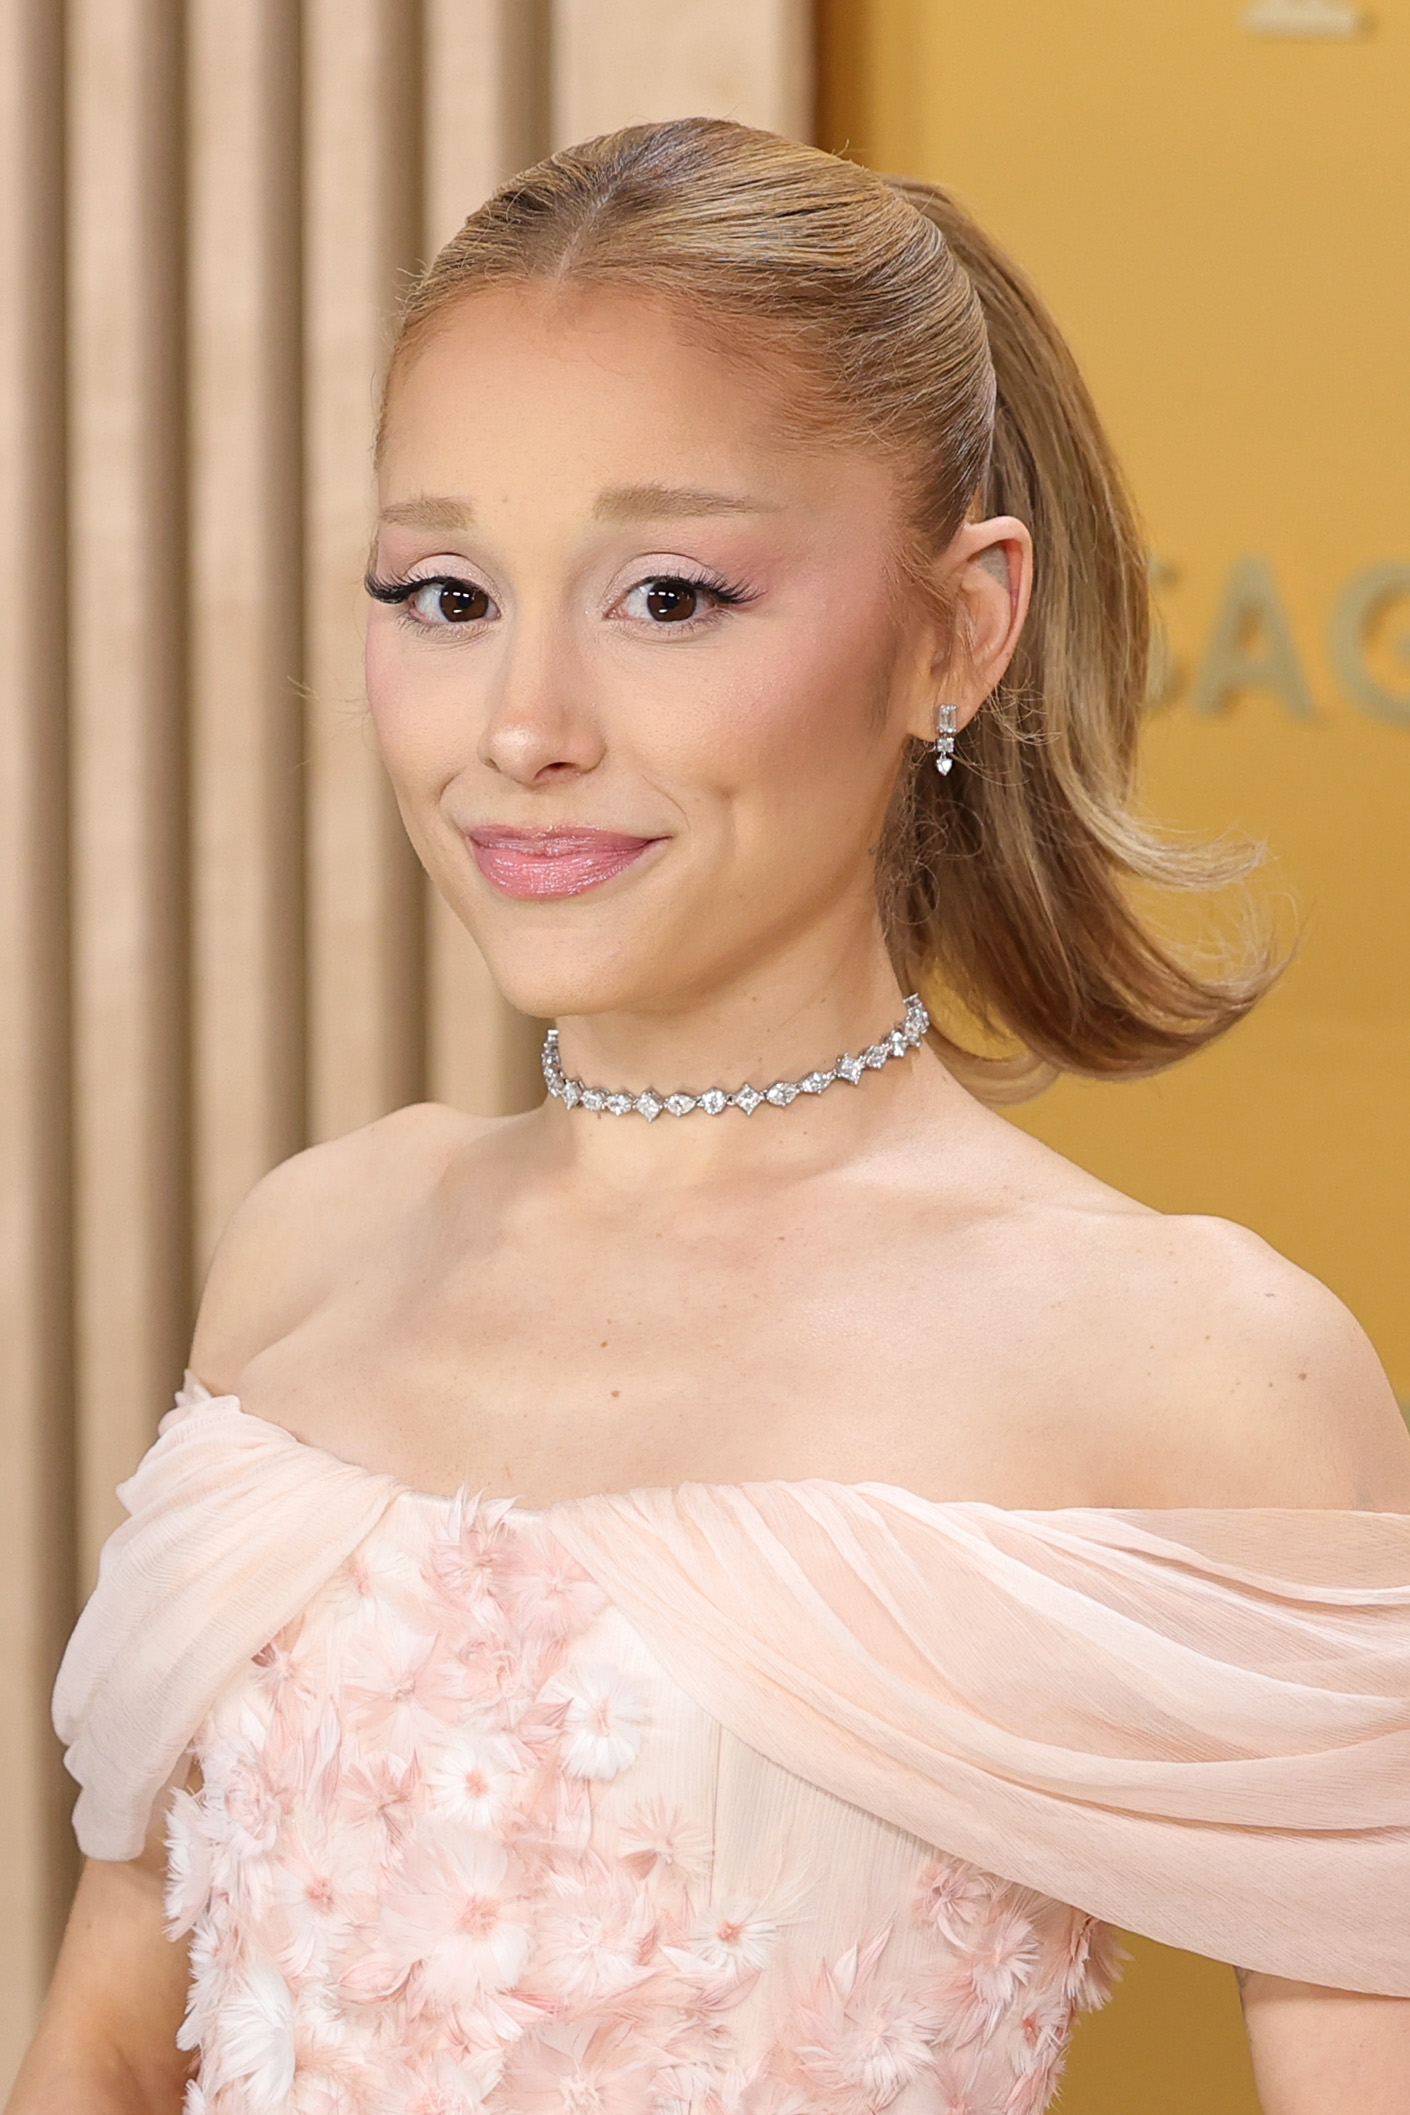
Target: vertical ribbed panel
column 486, row 115
column 36, row 1495
column 246, row 599
column 362, row 212
column 625, row 62
column 126, row 634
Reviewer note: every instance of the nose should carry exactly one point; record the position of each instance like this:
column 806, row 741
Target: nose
column 541, row 726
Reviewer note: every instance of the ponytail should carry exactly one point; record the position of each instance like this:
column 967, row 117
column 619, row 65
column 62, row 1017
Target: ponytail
column 1012, row 876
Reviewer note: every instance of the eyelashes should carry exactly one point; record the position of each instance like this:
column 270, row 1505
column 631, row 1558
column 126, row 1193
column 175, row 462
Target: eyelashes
column 395, row 591
column 722, row 594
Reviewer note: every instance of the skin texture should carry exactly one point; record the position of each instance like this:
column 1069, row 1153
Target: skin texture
column 559, row 1303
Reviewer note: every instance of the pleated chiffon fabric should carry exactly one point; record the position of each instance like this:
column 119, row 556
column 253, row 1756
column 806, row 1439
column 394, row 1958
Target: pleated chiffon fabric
column 1192, row 1724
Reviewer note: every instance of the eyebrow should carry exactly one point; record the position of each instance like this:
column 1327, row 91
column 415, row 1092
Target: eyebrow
column 620, row 504
column 630, row 503
column 429, row 512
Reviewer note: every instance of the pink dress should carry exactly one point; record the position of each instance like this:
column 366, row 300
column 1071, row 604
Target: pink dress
column 784, row 1799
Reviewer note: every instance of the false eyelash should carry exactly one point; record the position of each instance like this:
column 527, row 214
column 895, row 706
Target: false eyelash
column 403, row 590
column 730, row 592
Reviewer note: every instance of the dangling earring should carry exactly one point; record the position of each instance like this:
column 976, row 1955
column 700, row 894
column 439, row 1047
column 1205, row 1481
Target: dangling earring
column 945, row 738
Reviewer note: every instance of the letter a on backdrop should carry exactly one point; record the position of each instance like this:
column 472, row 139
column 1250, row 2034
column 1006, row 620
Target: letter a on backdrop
column 1252, row 646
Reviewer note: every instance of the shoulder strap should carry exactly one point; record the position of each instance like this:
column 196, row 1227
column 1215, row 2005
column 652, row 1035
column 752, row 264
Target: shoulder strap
column 234, row 1526
column 1192, row 1724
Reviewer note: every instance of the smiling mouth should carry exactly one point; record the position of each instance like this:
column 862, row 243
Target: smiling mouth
column 553, row 862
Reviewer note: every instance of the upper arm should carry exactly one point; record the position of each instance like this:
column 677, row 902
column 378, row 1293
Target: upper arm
column 1283, row 1402
column 1326, row 2052
column 106, row 2038
column 1272, row 1394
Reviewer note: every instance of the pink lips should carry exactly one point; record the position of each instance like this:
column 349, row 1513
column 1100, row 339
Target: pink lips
column 552, row 862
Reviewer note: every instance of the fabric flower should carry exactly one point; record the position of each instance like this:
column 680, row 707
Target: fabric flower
column 955, row 2085
column 737, row 1936
column 332, row 2074
column 658, row 1840
column 251, row 1809
column 188, row 1863
column 545, row 1593
column 216, row 1954
column 593, row 1937
column 754, row 2091
column 320, row 1891
column 999, row 1959
column 1032, row 2090
column 862, row 2039
column 382, row 1797
column 474, row 1779
column 287, row 1668
column 401, row 1688
column 952, row 1898
column 251, row 2043
column 454, row 1914
column 1043, row 2027
column 463, row 1556
column 1092, row 1960
column 378, row 1583
column 582, row 2070
column 603, row 1716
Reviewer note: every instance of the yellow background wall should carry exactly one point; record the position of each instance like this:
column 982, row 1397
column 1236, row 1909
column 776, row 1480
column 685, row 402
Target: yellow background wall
column 1219, row 221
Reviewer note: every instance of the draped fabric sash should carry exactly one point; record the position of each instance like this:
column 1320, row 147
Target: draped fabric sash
column 234, row 1527
column 1193, row 1724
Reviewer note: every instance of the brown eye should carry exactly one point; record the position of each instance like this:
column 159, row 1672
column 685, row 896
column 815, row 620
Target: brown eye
column 672, row 601
column 457, row 602
column 441, row 602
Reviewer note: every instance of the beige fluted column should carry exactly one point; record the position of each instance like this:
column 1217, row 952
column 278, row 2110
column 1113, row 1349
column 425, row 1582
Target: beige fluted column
column 127, row 579
column 620, row 62
column 362, row 207
column 486, row 115
column 247, row 896
column 36, row 1495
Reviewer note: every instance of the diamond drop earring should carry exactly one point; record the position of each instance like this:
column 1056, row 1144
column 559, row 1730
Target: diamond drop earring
column 945, row 738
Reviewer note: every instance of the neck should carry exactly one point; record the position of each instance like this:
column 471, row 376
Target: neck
column 778, row 1024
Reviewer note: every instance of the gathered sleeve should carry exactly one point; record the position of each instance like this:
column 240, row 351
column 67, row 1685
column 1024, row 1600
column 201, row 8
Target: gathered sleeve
column 1193, row 1724
column 232, row 1529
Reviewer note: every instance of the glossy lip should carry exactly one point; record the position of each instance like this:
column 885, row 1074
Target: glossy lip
column 560, row 862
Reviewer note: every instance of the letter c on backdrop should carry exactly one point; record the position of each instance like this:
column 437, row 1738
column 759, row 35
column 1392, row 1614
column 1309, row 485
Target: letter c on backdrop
column 1359, row 607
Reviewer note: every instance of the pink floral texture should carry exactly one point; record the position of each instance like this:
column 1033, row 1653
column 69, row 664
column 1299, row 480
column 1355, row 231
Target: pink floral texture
column 458, row 1851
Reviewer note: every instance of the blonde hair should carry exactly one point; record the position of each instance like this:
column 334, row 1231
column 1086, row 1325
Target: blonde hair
column 1005, row 885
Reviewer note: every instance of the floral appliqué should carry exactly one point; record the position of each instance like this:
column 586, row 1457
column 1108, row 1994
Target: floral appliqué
column 431, row 1871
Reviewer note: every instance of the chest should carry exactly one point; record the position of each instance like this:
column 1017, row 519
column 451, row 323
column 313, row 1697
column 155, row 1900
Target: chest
column 554, row 1356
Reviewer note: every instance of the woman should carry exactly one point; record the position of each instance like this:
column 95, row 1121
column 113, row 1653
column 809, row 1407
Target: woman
column 873, row 1591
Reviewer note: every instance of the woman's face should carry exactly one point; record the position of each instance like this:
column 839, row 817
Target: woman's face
column 638, row 666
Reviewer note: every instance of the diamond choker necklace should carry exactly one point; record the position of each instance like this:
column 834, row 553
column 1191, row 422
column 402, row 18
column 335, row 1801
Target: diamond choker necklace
column 904, row 1037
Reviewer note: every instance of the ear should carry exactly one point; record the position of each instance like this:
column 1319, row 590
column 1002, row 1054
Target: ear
column 986, row 576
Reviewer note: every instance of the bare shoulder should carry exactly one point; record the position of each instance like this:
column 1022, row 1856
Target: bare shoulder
column 305, row 1225
column 1259, row 1387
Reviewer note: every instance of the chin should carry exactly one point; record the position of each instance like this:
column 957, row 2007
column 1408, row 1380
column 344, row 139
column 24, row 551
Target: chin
column 559, row 974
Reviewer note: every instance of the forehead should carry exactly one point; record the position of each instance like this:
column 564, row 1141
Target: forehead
column 608, row 388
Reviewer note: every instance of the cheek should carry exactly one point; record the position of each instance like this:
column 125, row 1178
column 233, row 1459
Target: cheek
column 804, row 705
column 413, row 704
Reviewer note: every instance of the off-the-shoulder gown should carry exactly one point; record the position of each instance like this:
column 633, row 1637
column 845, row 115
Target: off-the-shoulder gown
column 765, row 1799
